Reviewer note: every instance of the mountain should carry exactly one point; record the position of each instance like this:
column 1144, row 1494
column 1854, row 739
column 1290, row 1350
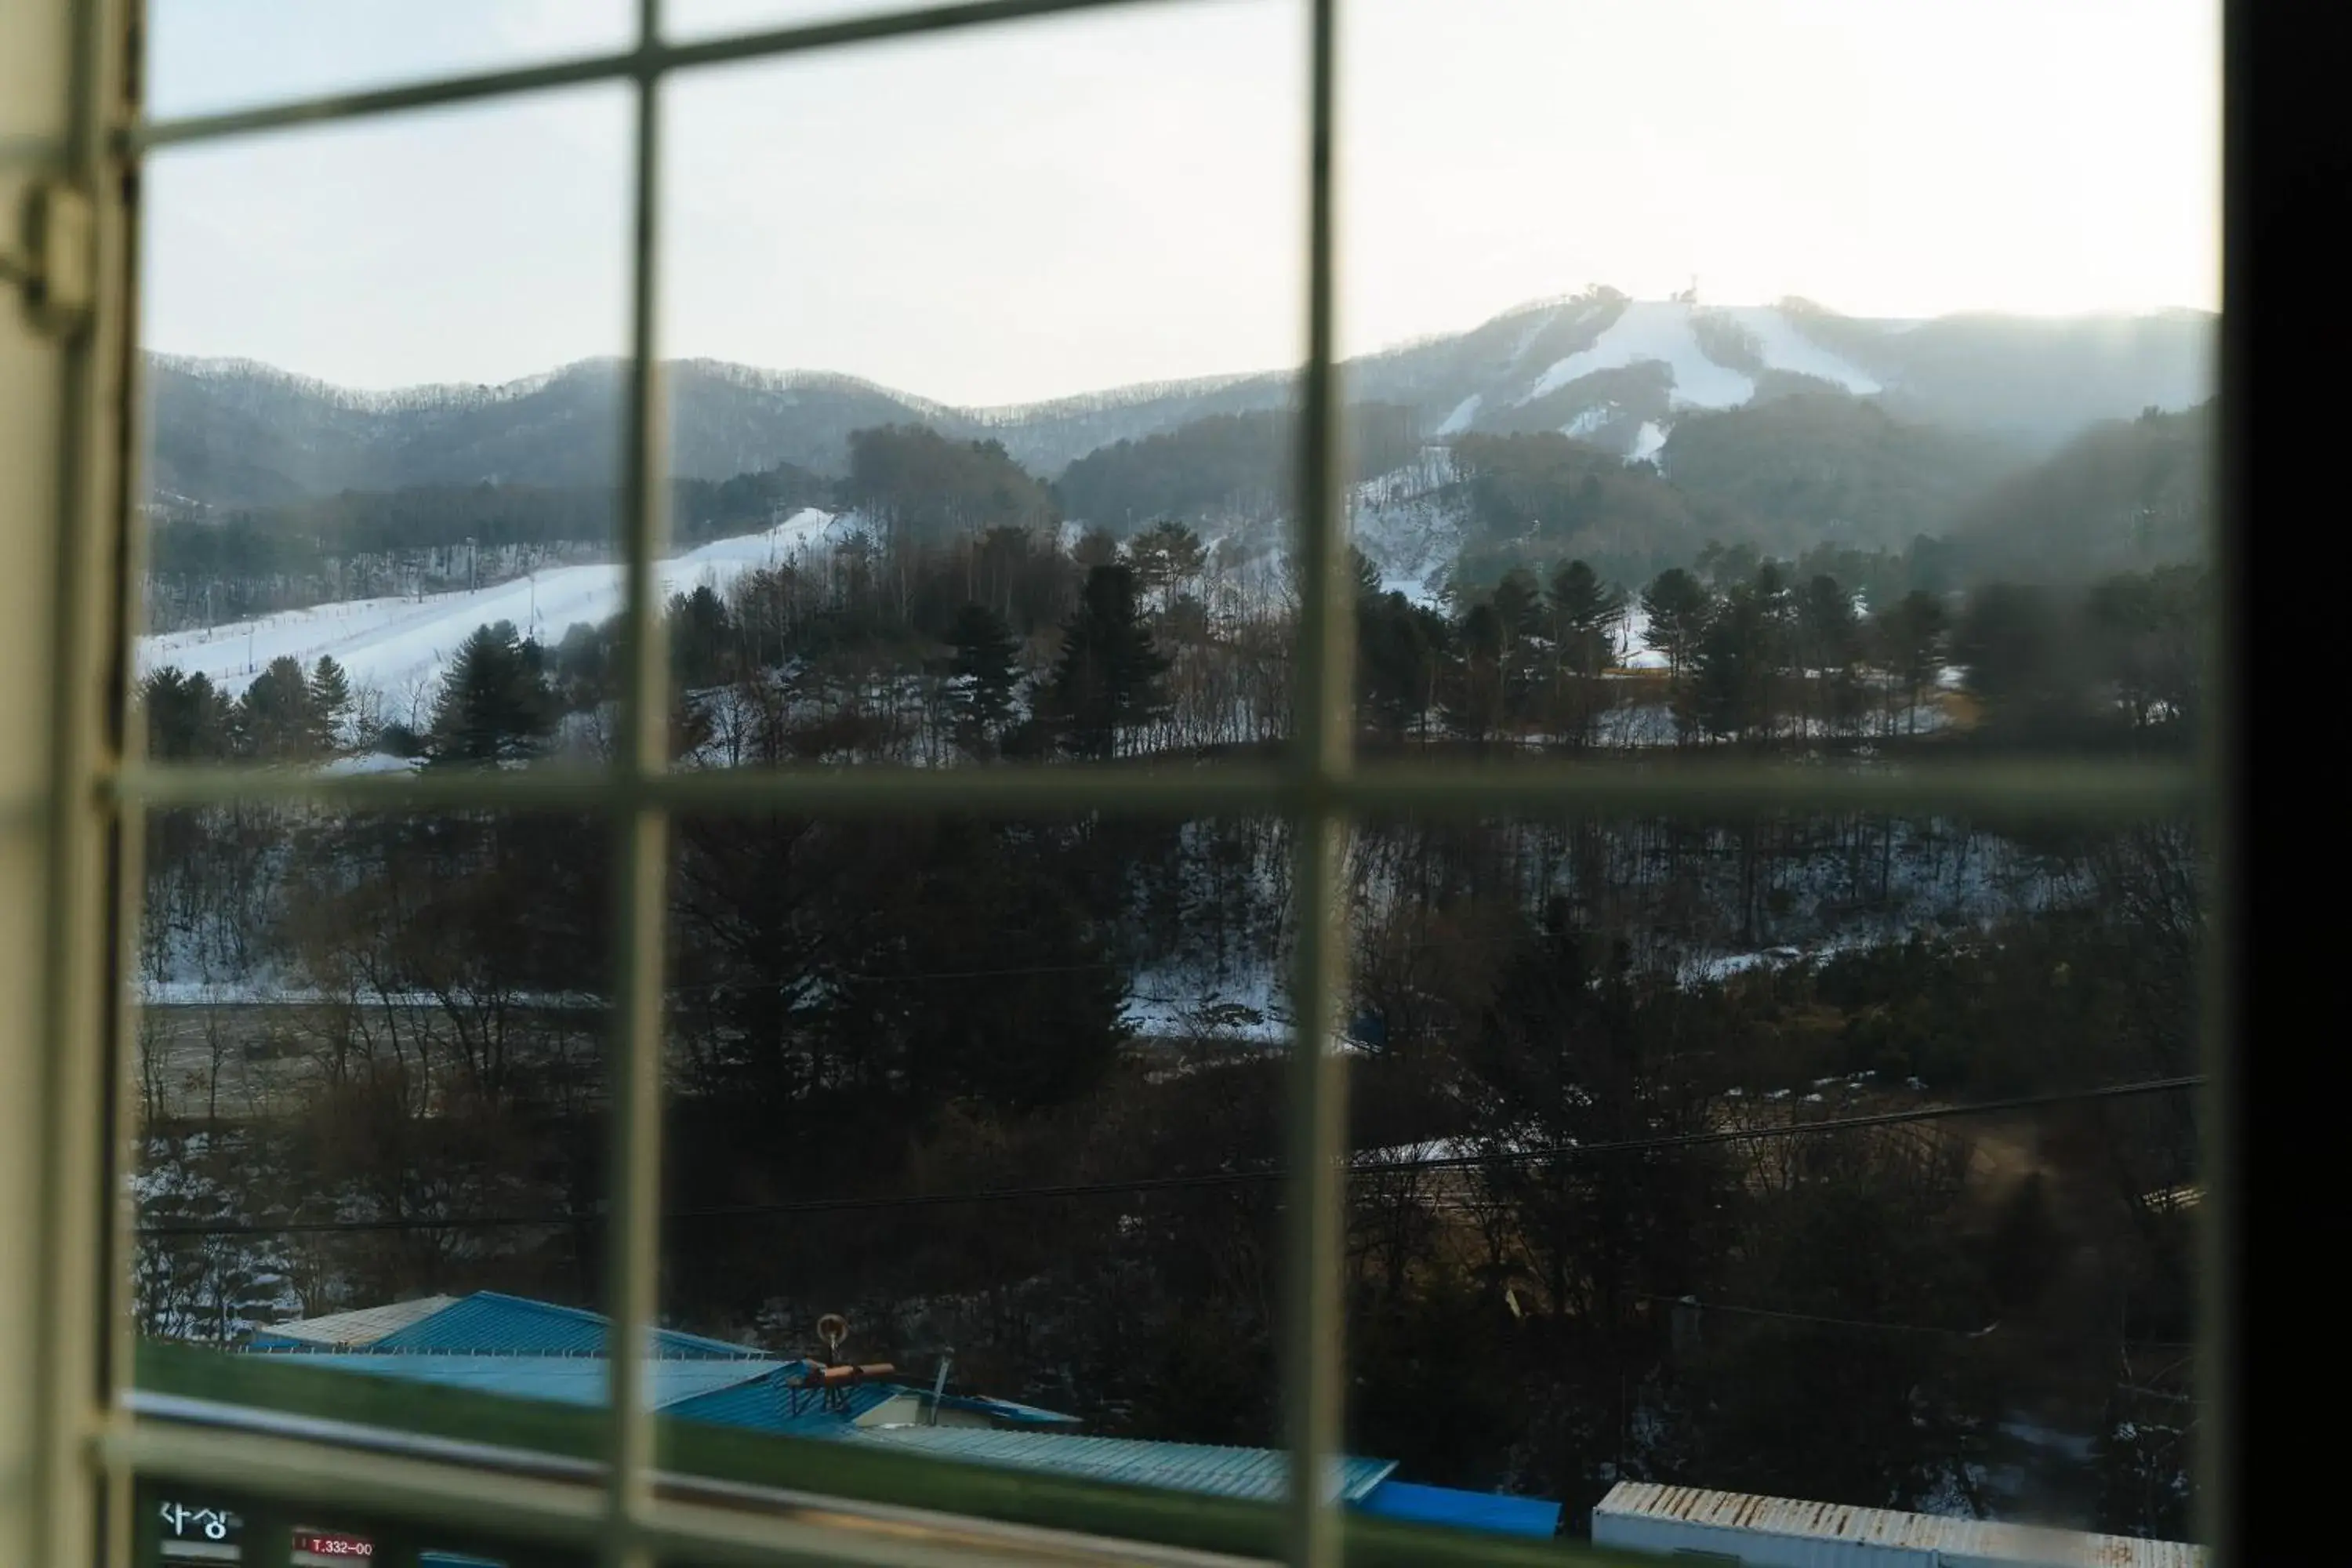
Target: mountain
column 1615, row 373
column 2123, row 496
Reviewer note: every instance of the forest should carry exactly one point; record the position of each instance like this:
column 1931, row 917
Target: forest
column 1015, row 1086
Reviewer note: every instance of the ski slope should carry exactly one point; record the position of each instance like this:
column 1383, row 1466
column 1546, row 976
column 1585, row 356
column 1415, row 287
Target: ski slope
column 1662, row 332
column 402, row 646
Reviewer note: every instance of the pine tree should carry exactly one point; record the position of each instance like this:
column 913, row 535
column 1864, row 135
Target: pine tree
column 494, row 704
column 188, row 719
column 274, row 719
column 331, row 706
column 986, row 669
column 1731, row 668
column 1584, row 613
column 1829, row 638
column 1110, row 677
column 1166, row 556
column 1676, row 606
column 1910, row 639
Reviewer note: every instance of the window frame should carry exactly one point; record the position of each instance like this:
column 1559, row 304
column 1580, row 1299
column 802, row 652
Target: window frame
column 97, row 1439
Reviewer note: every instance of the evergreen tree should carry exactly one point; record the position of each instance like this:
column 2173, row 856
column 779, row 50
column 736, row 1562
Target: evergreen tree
column 700, row 638
column 1475, row 695
column 1399, row 644
column 1166, row 556
column 273, row 718
column 1731, row 669
column 1829, row 638
column 1584, row 613
column 1110, row 677
column 1676, row 606
column 188, row 719
column 1910, row 639
column 331, row 706
column 986, row 667
column 494, row 705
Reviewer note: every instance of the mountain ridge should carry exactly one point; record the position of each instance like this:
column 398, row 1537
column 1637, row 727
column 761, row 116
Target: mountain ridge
column 1618, row 371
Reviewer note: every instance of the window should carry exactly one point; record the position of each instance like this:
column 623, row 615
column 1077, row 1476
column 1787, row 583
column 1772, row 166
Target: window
column 670, row 828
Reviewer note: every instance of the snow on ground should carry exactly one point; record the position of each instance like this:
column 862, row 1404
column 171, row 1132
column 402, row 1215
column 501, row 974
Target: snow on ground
column 1638, row 654
column 1648, row 442
column 1241, row 1001
column 1464, row 412
column 1786, row 348
column 400, row 643
column 1654, row 331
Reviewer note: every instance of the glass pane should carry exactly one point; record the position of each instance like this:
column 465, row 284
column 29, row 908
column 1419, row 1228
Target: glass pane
column 207, row 55
column 1593, row 1253
column 371, row 1069
column 1754, row 430
column 383, row 416
column 975, row 1130
column 941, row 384
column 693, row 19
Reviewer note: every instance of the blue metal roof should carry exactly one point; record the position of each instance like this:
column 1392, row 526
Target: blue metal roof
column 561, row 1379
column 490, row 1323
column 765, row 1404
column 1259, row 1473
column 1492, row 1511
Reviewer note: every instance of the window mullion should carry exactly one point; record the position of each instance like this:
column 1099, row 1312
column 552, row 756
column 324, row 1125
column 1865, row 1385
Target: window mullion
column 632, row 1265
column 1313, row 1356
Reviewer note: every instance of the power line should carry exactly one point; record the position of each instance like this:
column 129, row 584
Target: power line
column 1210, row 1179
column 1876, row 1325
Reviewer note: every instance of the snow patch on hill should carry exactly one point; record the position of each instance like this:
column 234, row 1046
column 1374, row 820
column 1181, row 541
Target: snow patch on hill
column 401, row 646
column 1784, row 347
column 1660, row 332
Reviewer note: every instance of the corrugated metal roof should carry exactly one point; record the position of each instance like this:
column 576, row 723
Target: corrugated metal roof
column 1988, row 1540
column 765, row 1404
column 1009, row 1410
column 362, row 1327
column 1496, row 1512
column 1259, row 1473
column 490, row 1323
column 560, row 1379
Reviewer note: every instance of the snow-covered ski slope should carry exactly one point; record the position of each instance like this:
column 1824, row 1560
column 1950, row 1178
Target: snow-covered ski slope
column 399, row 645
column 1662, row 332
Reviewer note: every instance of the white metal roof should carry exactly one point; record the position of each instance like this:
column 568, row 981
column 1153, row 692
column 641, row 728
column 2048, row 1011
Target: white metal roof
column 363, row 1327
column 1977, row 1538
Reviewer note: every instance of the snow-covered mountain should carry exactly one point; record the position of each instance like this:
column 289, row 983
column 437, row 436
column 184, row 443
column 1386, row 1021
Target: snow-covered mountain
column 1615, row 372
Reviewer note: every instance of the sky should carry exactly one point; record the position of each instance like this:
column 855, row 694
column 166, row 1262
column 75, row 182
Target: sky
column 1088, row 201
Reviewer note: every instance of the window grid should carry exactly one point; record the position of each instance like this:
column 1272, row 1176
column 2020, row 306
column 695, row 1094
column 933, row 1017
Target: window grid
column 1317, row 787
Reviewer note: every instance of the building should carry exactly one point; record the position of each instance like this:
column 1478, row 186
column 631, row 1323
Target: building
column 1698, row 1526
column 496, row 1344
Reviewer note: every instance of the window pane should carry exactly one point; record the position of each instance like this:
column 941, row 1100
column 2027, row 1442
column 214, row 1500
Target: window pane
column 1589, row 1250
column 939, row 384
column 382, row 416
column 207, row 55
column 684, row 20
column 1003, row 1101
column 371, row 1069
column 1722, row 421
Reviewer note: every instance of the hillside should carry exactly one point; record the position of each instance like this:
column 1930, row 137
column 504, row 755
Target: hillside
column 1612, row 372
column 1825, row 467
column 2122, row 497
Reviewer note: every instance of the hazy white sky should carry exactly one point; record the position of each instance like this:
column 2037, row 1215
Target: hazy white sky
column 1087, row 201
